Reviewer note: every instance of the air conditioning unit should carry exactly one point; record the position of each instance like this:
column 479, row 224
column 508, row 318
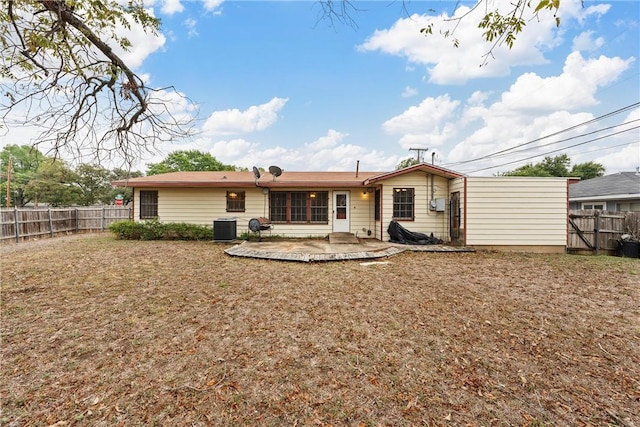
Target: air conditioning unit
column 224, row 229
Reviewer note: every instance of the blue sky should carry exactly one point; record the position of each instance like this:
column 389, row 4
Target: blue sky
column 275, row 85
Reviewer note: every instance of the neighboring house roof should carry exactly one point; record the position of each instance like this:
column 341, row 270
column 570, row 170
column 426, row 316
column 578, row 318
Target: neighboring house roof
column 618, row 186
column 287, row 179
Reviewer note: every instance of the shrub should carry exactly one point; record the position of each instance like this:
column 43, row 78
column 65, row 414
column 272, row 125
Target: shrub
column 127, row 229
column 155, row 230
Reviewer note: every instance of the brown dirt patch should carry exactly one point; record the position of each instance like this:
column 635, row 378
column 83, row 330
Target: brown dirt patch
column 97, row 331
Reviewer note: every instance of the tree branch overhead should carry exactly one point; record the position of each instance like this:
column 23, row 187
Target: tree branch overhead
column 58, row 57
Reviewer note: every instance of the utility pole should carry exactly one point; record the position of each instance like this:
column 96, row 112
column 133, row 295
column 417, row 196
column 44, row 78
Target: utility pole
column 419, row 151
column 9, row 172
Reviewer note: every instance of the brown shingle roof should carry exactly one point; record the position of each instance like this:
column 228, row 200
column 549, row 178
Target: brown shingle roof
column 247, row 179
column 287, row 179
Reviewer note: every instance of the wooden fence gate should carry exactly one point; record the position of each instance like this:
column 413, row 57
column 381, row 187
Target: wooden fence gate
column 598, row 232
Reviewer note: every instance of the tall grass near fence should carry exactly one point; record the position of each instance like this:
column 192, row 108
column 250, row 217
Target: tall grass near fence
column 25, row 223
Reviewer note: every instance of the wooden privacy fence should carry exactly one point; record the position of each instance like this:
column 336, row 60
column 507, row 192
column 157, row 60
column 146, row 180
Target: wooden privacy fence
column 20, row 224
column 598, row 232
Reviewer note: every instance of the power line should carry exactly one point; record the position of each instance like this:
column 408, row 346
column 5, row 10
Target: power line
column 571, row 138
column 604, row 116
column 557, row 150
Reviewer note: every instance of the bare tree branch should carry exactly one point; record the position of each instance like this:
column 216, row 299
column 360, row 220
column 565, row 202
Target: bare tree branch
column 62, row 76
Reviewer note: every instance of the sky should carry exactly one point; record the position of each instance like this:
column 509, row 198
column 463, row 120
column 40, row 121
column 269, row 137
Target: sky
column 275, row 84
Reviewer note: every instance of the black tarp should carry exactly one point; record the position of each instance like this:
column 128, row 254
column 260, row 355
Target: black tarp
column 399, row 234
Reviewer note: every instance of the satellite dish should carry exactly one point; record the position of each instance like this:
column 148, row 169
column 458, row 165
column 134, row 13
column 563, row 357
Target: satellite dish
column 256, row 172
column 275, row 171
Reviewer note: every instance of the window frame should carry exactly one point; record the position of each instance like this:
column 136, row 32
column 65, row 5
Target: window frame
column 148, row 207
column 237, row 198
column 593, row 206
column 400, row 207
column 299, row 207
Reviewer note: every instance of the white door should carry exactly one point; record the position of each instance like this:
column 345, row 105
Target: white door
column 341, row 212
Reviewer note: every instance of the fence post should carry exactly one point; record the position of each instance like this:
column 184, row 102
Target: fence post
column 50, row 223
column 17, row 223
column 597, row 230
column 77, row 220
column 102, row 220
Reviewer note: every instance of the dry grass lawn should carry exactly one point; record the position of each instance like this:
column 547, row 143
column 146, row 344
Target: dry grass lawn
column 102, row 332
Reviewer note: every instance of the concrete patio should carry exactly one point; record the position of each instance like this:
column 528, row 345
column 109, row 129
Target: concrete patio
column 311, row 250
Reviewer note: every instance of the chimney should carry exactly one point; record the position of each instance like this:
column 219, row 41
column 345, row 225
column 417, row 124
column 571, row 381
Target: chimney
column 357, row 167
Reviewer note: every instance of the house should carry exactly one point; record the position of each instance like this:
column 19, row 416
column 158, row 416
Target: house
column 513, row 213
column 616, row 192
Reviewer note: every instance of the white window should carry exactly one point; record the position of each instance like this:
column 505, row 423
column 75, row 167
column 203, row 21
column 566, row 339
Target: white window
column 599, row 206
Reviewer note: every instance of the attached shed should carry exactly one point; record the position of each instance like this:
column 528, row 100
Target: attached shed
column 516, row 213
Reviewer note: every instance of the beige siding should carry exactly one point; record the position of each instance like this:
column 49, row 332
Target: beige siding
column 426, row 220
column 516, row 211
column 204, row 205
column 362, row 214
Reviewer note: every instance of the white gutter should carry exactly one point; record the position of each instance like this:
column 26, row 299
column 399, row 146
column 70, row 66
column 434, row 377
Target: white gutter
column 603, row 198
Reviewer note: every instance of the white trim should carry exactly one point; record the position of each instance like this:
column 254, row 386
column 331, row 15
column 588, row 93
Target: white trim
column 611, row 197
column 341, row 225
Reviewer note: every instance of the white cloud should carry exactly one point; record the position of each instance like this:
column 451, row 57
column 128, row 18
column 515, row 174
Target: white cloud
column 213, row 6
column 409, row 91
column 426, row 116
column 427, row 124
column 169, row 7
column 332, row 139
column 586, row 42
column 327, row 153
column 446, row 64
column 626, row 159
column 582, row 13
column 534, row 107
column 143, row 43
column 254, row 118
column 507, row 132
column 191, row 27
column 574, row 88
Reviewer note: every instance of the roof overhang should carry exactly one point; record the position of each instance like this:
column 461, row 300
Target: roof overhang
column 605, row 198
column 229, row 179
column 421, row 167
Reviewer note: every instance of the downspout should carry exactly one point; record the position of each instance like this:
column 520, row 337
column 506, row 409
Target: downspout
column 433, row 196
column 447, row 220
column 567, row 215
column 465, row 211
column 133, row 203
column 381, row 212
column 430, row 200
